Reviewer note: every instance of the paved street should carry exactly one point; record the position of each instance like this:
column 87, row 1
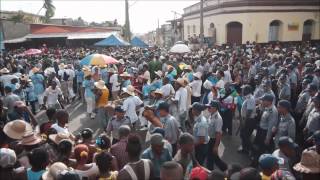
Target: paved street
column 79, row 120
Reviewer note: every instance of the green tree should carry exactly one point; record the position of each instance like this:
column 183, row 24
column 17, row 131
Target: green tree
column 19, row 18
column 50, row 9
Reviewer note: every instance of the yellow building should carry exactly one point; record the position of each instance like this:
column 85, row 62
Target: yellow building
column 238, row 21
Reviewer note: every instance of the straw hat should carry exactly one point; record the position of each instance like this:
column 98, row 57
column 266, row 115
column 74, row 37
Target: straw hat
column 35, row 69
column 180, row 81
column 158, row 91
column 54, row 170
column 57, row 138
column 17, row 129
column 62, row 66
column 197, row 75
column 8, row 157
column 112, row 70
column 309, row 162
column 100, row 84
column 159, row 73
column 30, row 139
column 4, row 71
column 129, row 90
column 125, row 74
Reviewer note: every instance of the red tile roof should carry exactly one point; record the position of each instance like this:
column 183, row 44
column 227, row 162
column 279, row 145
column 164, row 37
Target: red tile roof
column 49, row 28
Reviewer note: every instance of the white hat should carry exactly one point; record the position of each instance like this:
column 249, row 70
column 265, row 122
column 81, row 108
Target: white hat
column 4, row 71
column 129, row 90
column 55, row 170
column 162, row 57
column 181, row 81
column 100, row 84
column 57, row 138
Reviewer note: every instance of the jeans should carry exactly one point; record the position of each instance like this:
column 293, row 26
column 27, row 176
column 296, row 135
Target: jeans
column 201, row 153
column 214, row 158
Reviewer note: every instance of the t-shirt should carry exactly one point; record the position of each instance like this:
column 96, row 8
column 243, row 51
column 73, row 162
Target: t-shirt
column 52, row 95
column 88, row 86
column 196, row 88
column 181, row 96
column 9, row 101
column 103, row 99
column 167, row 90
column 114, row 81
column 129, row 105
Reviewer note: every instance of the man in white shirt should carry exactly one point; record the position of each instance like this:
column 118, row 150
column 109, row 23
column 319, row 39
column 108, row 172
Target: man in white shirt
column 71, row 74
column 227, row 75
column 64, row 77
column 167, row 89
column 115, row 85
column 180, row 98
column 52, row 95
column 131, row 104
column 196, row 85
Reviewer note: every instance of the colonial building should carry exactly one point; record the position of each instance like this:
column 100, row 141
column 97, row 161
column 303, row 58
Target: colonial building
column 238, row 21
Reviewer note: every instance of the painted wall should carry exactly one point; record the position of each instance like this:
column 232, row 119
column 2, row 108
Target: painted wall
column 256, row 25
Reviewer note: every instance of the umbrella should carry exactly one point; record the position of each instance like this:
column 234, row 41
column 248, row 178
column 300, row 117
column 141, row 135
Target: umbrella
column 98, row 59
column 180, row 48
column 32, row 52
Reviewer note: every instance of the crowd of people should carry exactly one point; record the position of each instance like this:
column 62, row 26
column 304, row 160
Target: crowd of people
column 161, row 115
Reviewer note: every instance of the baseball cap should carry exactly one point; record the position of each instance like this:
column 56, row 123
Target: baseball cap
column 156, row 139
column 198, row 173
column 267, row 97
column 119, row 109
column 198, row 106
column 214, row 103
column 7, row 157
column 285, row 104
column 287, row 141
column 267, row 161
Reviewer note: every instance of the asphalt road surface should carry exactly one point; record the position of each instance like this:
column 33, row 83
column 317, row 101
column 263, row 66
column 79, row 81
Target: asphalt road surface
column 79, row 120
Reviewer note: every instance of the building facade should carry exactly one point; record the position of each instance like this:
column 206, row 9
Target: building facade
column 24, row 16
column 238, row 21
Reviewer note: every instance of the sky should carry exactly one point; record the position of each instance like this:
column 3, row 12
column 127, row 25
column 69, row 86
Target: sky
column 144, row 14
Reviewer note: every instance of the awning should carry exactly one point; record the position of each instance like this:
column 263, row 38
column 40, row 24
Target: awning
column 96, row 35
column 17, row 40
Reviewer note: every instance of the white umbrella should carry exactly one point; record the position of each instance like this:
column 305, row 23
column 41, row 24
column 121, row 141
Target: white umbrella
column 180, row 48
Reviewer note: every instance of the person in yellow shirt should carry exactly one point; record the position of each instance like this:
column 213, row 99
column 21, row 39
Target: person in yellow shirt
column 102, row 97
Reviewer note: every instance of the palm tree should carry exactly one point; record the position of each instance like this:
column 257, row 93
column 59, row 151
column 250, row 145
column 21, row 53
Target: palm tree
column 50, row 8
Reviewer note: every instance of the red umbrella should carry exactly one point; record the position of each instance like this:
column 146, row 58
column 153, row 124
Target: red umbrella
column 32, row 52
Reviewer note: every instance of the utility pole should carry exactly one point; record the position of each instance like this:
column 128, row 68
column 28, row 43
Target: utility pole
column 201, row 24
column 127, row 33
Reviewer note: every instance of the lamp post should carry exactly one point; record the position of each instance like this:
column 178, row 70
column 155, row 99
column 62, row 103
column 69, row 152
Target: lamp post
column 127, row 33
column 201, row 24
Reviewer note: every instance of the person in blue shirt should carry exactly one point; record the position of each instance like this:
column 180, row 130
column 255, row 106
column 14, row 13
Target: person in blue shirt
column 157, row 153
column 38, row 82
column 157, row 82
column 104, row 74
column 39, row 160
column 28, row 91
column 200, row 132
column 126, row 79
column 88, row 85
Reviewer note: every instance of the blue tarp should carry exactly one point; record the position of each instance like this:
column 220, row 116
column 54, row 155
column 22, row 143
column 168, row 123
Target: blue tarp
column 137, row 42
column 112, row 40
